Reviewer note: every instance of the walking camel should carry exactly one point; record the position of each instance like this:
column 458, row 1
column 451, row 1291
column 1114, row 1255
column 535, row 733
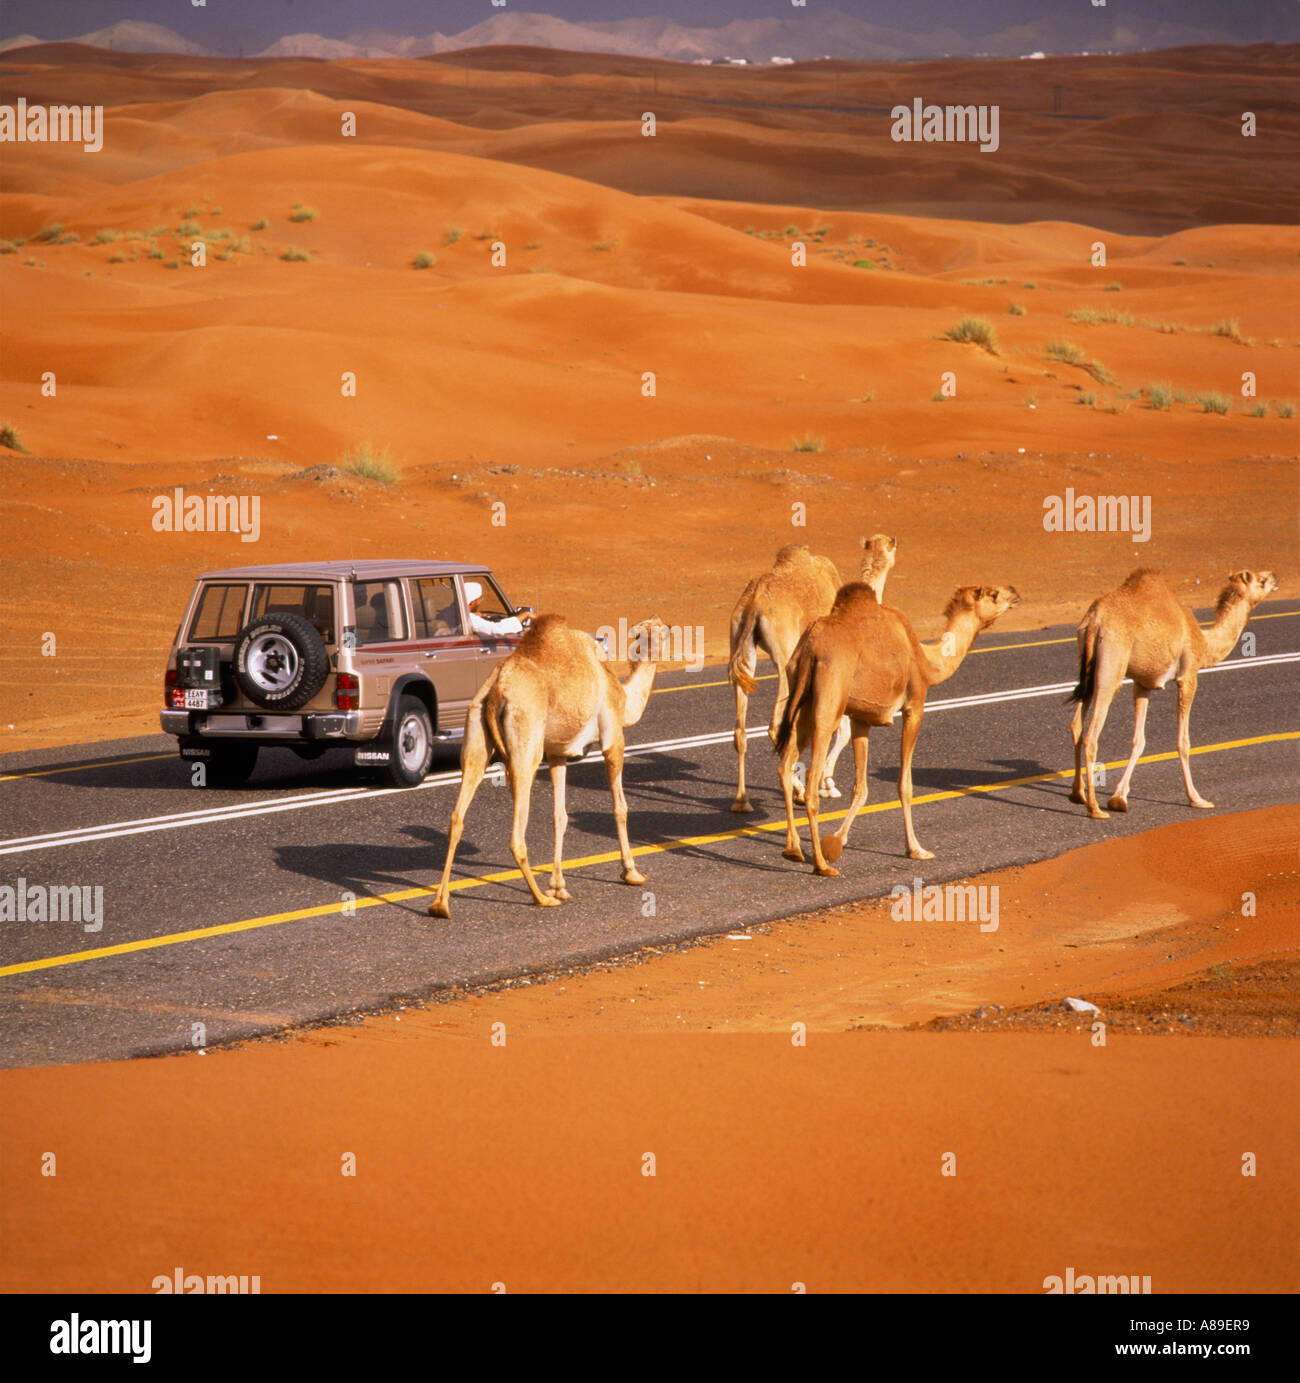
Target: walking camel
column 1143, row 631
column 772, row 614
column 864, row 660
column 549, row 699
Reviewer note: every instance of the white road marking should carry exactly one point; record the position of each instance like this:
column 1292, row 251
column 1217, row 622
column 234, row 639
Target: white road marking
column 205, row 816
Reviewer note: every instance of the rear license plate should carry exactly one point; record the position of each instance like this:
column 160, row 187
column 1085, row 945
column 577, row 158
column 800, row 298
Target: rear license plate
column 202, row 700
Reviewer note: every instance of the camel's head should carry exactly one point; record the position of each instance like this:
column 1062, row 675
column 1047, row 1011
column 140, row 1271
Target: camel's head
column 986, row 603
column 646, row 642
column 878, row 553
column 793, row 552
column 1252, row 586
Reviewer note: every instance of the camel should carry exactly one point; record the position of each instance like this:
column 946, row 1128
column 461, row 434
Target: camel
column 549, row 699
column 864, row 660
column 772, row 613
column 1143, row 631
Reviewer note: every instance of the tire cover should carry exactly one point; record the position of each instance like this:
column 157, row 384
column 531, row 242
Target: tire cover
column 285, row 684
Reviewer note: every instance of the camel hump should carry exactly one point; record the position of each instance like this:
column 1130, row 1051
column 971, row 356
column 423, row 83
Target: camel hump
column 792, row 552
column 1143, row 576
column 541, row 627
column 854, row 596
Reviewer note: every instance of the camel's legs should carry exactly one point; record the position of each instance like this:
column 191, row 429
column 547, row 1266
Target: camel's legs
column 522, row 773
column 1106, row 683
column 785, row 771
column 1186, row 694
column 834, row 844
column 812, row 794
column 1076, row 736
column 782, row 695
column 614, row 770
column 473, row 765
column 912, row 714
column 741, row 803
column 842, row 733
column 559, row 767
column 1119, row 798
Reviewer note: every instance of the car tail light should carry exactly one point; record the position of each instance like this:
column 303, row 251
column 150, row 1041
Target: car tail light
column 172, row 695
column 347, row 692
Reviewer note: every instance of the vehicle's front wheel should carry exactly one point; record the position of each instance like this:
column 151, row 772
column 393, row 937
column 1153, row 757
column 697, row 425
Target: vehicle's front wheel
column 410, row 750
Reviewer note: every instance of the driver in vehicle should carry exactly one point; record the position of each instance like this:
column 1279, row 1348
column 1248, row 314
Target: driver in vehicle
column 481, row 624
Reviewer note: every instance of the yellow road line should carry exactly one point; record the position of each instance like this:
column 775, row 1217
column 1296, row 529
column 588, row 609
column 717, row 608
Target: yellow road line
column 72, row 768
column 505, row 875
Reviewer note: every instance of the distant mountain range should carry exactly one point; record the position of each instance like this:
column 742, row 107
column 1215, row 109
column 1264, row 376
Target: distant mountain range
column 811, row 35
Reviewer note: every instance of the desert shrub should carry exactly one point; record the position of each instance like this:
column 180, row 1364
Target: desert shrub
column 370, row 464
column 974, row 331
column 9, row 438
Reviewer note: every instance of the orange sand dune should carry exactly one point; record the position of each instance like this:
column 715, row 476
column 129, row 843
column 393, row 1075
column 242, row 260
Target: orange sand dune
column 1138, row 143
column 637, row 286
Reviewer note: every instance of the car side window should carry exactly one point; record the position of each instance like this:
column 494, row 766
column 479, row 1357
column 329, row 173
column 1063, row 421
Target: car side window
column 379, row 611
column 492, row 604
column 435, row 611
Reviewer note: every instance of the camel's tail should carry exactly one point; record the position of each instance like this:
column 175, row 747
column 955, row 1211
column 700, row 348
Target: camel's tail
column 492, row 706
column 740, row 675
column 800, row 686
column 1087, row 665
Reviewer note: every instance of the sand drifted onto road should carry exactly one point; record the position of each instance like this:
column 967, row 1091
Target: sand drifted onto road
column 774, row 1163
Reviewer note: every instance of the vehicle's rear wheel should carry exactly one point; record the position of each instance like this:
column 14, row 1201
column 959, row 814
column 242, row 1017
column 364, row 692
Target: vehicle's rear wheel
column 228, row 765
column 411, row 747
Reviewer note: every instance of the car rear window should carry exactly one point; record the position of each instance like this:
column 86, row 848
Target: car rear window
column 219, row 615
column 312, row 602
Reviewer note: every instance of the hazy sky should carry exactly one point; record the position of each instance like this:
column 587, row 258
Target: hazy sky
column 223, row 24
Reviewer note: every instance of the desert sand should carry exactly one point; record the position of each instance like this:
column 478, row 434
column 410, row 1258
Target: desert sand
column 775, row 386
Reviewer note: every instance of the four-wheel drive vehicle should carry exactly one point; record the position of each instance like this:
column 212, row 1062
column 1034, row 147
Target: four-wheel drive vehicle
column 381, row 656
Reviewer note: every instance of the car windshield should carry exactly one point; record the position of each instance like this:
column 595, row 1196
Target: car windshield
column 312, row 602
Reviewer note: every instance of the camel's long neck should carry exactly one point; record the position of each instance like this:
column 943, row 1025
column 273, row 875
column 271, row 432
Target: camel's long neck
column 1221, row 637
column 874, row 578
column 636, row 691
column 945, row 656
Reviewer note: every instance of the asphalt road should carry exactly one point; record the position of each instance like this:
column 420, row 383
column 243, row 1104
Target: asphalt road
column 303, row 896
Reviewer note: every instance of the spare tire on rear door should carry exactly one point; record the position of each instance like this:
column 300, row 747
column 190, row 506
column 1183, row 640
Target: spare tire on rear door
column 280, row 661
